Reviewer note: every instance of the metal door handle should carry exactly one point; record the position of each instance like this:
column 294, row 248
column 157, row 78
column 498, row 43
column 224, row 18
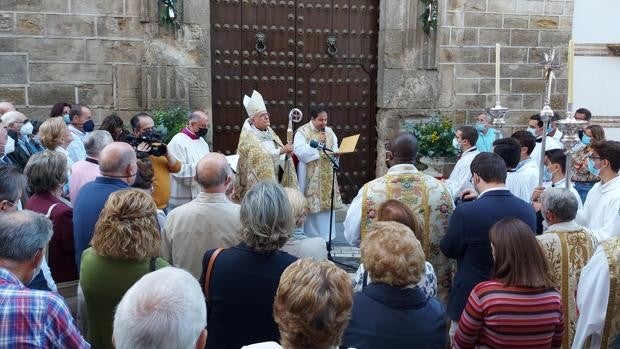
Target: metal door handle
column 331, row 46
column 260, row 42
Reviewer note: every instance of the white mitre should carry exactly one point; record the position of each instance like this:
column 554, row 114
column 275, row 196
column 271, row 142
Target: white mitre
column 254, row 104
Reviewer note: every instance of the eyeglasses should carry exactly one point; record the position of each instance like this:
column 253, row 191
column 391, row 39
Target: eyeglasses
column 10, row 203
column 594, row 157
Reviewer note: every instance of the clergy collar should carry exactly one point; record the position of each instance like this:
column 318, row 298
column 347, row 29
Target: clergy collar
column 402, row 168
column 186, row 131
column 564, row 226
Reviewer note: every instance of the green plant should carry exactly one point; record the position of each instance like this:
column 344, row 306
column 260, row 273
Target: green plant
column 169, row 14
column 429, row 16
column 435, row 137
column 170, row 121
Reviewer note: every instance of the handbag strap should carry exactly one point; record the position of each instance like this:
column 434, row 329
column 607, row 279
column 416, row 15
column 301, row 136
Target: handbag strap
column 49, row 216
column 49, row 210
column 210, row 271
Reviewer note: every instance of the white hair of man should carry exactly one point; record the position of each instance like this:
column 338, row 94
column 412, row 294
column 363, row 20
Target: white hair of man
column 10, row 117
column 562, row 202
column 164, row 309
column 96, row 141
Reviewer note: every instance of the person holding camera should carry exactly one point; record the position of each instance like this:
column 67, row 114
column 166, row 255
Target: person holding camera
column 147, row 141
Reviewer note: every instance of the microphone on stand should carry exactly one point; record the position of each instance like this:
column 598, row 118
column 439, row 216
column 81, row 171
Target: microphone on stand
column 320, row 146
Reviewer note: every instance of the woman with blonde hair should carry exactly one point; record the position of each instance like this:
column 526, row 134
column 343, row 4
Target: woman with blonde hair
column 300, row 245
column 396, row 211
column 125, row 246
column 391, row 312
column 55, row 136
column 312, row 306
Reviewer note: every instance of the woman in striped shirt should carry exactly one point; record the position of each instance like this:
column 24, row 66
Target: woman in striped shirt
column 519, row 307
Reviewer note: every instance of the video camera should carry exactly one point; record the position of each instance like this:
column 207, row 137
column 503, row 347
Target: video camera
column 158, row 148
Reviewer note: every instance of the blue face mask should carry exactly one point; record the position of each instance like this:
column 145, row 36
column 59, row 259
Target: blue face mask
column 546, row 175
column 456, row 144
column 592, row 168
column 67, row 119
column 585, row 139
column 479, row 126
column 549, row 129
column 532, row 131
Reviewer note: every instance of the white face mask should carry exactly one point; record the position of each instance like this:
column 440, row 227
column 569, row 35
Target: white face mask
column 9, row 147
column 26, row 129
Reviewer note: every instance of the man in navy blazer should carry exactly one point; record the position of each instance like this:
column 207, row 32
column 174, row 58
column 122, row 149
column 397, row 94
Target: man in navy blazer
column 467, row 239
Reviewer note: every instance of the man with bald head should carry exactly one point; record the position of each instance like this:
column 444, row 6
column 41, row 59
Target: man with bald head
column 428, row 198
column 207, row 222
column 188, row 146
column 118, row 167
column 6, row 107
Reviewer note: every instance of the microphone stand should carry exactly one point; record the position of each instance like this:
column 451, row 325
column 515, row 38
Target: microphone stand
column 335, row 167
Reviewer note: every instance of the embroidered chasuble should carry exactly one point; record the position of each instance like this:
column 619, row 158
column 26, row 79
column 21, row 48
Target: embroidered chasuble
column 611, row 329
column 319, row 173
column 429, row 200
column 257, row 164
column 567, row 252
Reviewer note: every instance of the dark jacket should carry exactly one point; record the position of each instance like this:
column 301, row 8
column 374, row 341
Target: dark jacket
column 19, row 157
column 86, row 209
column 61, row 249
column 384, row 316
column 467, row 241
column 241, row 293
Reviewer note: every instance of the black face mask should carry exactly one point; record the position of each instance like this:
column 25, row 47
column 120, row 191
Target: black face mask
column 202, row 131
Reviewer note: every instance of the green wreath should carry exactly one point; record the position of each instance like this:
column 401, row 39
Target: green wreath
column 169, row 14
column 429, row 16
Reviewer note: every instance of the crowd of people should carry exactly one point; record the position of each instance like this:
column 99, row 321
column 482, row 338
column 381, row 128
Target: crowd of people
column 110, row 238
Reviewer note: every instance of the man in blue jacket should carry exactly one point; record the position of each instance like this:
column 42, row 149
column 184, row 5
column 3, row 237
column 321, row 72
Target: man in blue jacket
column 118, row 167
column 467, row 239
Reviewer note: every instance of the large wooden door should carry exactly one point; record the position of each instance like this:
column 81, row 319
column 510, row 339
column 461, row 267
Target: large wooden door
column 298, row 54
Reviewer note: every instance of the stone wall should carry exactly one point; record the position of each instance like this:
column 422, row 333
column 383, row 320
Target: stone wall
column 109, row 54
column 460, row 83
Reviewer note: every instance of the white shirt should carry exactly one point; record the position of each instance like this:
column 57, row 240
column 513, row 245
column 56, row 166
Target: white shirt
column 353, row 220
column 76, row 151
column 601, row 211
column 592, row 298
column 461, row 174
column 188, row 151
column 550, row 143
column 519, row 186
column 525, row 179
column 305, row 153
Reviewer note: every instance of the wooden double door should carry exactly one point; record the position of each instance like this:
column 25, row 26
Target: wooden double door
column 298, row 54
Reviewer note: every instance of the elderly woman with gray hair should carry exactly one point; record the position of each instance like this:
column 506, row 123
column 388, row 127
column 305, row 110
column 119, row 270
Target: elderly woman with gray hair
column 47, row 174
column 240, row 282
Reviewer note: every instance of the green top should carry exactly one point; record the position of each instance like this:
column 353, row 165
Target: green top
column 104, row 281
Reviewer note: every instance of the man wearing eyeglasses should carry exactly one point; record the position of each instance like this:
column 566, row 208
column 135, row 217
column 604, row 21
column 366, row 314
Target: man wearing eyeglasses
column 16, row 125
column 601, row 211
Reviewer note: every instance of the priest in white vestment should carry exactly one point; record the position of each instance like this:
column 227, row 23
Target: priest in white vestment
column 464, row 141
column 601, row 211
column 598, row 302
column 315, row 172
column 188, row 146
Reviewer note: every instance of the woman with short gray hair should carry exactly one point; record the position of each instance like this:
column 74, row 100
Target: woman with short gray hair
column 240, row 282
column 47, row 174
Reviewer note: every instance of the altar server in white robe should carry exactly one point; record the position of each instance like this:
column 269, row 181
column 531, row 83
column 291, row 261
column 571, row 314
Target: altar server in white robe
column 464, row 141
column 527, row 169
column 536, row 128
column 188, row 146
column 510, row 149
column 601, row 211
column 314, row 173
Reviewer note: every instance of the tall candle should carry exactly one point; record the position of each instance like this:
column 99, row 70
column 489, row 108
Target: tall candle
column 497, row 72
column 571, row 65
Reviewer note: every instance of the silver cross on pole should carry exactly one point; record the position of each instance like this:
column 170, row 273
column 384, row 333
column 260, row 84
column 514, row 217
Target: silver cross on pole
column 550, row 64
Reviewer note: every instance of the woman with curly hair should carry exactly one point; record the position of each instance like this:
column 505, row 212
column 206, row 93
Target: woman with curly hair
column 55, row 136
column 240, row 282
column 125, row 246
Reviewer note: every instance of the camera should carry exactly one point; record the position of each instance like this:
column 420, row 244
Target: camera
column 158, row 148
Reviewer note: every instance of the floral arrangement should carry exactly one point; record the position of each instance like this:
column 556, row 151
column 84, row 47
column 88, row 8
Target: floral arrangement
column 435, row 137
column 169, row 14
column 429, row 16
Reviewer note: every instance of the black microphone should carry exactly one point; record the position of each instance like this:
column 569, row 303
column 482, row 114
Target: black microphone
column 320, row 146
